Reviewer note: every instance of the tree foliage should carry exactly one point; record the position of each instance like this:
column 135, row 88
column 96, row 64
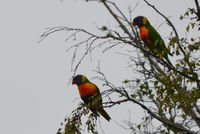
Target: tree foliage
column 172, row 91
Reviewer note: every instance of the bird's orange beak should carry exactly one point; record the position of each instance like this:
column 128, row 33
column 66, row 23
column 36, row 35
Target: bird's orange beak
column 133, row 24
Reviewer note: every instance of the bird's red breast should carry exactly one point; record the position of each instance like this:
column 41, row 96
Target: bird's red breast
column 87, row 89
column 144, row 34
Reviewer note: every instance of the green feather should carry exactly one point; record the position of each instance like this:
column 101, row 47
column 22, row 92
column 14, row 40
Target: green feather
column 157, row 45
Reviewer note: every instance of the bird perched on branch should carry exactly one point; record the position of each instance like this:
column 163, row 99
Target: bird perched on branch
column 90, row 95
column 151, row 38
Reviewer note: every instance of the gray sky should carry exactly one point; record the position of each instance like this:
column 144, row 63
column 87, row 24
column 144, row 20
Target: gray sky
column 35, row 96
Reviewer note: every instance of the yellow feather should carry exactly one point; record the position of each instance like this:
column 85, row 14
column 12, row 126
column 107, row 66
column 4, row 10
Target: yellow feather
column 144, row 20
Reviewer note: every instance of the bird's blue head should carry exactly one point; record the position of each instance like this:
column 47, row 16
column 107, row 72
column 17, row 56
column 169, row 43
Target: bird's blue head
column 140, row 21
column 79, row 79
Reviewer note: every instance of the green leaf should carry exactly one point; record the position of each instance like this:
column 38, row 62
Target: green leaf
column 156, row 83
column 139, row 126
column 186, row 13
column 181, row 17
column 125, row 81
column 192, row 24
column 188, row 28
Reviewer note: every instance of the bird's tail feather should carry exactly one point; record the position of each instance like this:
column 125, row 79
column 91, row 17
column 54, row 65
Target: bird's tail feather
column 104, row 114
column 168, row 61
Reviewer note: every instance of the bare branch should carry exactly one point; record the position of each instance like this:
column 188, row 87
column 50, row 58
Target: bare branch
column 161, row 119
column 120, row 23
column 198, row 9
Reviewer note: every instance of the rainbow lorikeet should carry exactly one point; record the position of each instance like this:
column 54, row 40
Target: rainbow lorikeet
column 90, row 95
column 151, row 38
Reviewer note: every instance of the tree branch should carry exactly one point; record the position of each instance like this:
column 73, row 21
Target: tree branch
column 198, row 9
column 161, row 119
column 117, row 19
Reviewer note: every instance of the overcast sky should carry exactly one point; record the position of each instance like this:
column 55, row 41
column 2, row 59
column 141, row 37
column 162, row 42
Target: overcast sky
column 35, row 96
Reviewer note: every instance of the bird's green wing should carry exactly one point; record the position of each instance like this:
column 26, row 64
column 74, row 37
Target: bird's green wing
column 158, row 44
column 155, row 38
